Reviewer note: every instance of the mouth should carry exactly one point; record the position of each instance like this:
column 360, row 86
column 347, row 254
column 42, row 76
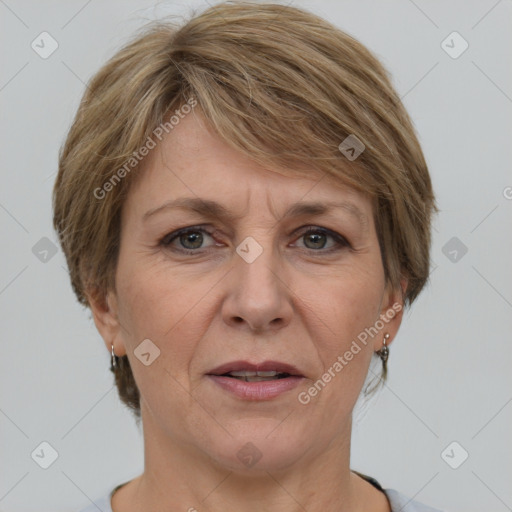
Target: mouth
column 256, row 381
column 256, row 372
column 258, row 376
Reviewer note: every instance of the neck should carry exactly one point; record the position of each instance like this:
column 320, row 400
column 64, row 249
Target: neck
column 178, row 477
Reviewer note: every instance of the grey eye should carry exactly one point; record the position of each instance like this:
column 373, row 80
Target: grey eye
column 315, row 240
column 191, row 240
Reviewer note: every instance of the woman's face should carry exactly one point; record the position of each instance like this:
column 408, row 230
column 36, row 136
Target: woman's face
column 223, row 262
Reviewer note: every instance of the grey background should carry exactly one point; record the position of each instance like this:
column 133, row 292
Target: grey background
column 450, row 377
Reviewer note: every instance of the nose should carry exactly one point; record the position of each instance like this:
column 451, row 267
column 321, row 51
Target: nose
column 259, row 297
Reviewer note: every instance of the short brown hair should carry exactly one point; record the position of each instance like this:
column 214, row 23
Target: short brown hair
column 275, row 82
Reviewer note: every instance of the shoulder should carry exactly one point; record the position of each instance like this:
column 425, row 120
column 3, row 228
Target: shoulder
column 101, row 504
column 397, row 501
column 401, row 503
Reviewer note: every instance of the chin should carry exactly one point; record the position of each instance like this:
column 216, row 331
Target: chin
column 263, row 444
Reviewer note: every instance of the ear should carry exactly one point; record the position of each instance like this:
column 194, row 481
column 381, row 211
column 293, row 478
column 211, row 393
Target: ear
column 105, row 314
column 391, row 313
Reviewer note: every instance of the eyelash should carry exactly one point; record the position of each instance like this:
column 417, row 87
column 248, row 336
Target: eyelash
column 341, row 242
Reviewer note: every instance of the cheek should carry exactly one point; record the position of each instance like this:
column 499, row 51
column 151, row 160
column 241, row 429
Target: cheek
column 160, row 306
column 168, row 313
column 346, row 305
column 345, row 359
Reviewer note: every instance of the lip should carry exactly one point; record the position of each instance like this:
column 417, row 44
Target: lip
column 262, row 390
column 234, row 366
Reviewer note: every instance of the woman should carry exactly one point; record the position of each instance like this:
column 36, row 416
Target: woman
column 245, row 208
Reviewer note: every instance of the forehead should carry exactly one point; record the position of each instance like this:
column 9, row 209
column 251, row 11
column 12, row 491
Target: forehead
column 193, row 161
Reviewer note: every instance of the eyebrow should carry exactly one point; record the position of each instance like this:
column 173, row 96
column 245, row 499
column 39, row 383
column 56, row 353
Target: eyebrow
column 209, row 208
